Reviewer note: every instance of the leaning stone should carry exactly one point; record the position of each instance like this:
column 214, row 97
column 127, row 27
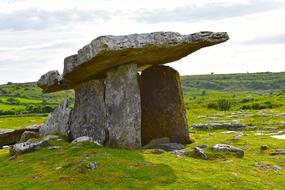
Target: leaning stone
column 200, row 153
column 123, row 103
column 107, row 52
column 89, row 114
column 57, row 121
column 28, row 135
column 170, row 146
column 26, row 147
column 228, row 148
column 163, row 109
column 155, row 142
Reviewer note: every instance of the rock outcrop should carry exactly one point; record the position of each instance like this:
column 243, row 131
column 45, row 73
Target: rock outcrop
column 109, row 101
column 89, row 115
column 8, row 137
column 57, row 121
column 107, row 52
column 122, row 98
column 163, row 109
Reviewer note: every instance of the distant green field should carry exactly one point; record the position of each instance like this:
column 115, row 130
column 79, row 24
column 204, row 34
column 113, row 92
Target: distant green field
column 20, row 122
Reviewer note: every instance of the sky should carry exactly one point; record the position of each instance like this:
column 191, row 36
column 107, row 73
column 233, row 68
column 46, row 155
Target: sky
column 36, row 35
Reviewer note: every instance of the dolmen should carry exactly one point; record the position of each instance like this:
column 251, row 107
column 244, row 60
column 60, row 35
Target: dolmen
column 124, row 95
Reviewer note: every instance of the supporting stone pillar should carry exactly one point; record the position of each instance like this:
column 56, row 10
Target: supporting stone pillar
column 163, row 109
column 89, row 115
column 123, row 103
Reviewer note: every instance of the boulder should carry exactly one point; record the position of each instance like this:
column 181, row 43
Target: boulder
column 163, row 109
column 228, row 148
column 28, row 135
column 57, row 121
column 89, row 114
column 107, row 52
column 8, row 137
column 123, row 105
column 26, row 147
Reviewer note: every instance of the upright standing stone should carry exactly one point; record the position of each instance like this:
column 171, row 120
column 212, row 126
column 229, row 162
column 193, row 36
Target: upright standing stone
column 163, row 109
column 123, row 105
column 89, row 115
column 57, row 121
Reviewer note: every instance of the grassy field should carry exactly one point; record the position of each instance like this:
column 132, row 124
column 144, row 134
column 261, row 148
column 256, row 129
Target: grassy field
column 65, row 168
column 208, row 98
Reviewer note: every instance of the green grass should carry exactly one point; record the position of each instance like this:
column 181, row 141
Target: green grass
column 20, row 122
column 123, row 169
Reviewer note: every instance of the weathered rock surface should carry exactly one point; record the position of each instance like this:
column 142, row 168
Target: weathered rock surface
column 170, row 146
column 27, row 147
column 8, row 137
column 229, row 126
column 51, row 80
column 163, row 109
column 28, row 135
column 228, row 148
column 107, row 52
column 57, row 121
column 155, row 142
column 200, row 153
column 85, row 139
column 123, row 103
column 89, row 114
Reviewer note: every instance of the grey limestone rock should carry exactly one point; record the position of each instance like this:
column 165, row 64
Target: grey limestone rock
column 170, row 146
column 200, row 153
column 8, row 137
column 51, row 80
column 228, row 148
column 106, row 52
column 163, row 109
column 89, row 114
column 57, row 121
column 26, row 147
column 122, row 98
column 28, row 135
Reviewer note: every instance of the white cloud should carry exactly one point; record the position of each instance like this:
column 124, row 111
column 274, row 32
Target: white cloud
column 36, row 35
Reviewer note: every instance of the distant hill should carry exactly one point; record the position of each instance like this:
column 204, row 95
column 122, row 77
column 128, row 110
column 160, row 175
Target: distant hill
column 27, row 98
column 236, row 82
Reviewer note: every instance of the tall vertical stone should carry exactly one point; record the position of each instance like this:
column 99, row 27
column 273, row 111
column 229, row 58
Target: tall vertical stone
column 89, row 115
column 163, row 109
column 122, row 98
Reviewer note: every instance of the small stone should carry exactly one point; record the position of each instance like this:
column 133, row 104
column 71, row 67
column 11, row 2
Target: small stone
column 265, row 166
column 58, row 168
column 85, row 139
column 277, row 152
column 92, row 165
column 264, row 147
column 51, row 137
column 155, row 142
column 199, row 152
column 202, row 146
column 178, row 153
column 228, row 148
column 54, row 147
column 26, row 147
column 170, row 146
column 157, row 151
